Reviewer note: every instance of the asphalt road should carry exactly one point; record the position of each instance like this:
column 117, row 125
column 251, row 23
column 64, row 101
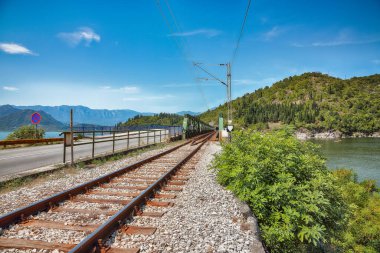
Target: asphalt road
column 13, row 161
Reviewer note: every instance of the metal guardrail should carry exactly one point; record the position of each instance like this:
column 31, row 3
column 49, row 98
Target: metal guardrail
column 105, row 129
column 97, row 136
column 29, row 141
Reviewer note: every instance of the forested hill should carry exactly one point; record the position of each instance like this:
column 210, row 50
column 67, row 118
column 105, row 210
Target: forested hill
column 157, row 119
column 312, row 100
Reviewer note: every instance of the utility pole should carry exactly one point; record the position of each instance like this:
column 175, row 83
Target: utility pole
column 229, row 84
column 226, row 83
column 72, row 137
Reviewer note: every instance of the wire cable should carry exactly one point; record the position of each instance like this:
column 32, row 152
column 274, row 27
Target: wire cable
column 241, row 32
column 181, row 43
column 186, row 49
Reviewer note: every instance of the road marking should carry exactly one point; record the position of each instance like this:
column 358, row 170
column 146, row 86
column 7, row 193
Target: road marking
column 33, row 154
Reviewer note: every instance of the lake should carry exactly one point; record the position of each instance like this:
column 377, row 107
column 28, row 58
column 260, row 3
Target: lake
column 4, row 135
column 360, row 154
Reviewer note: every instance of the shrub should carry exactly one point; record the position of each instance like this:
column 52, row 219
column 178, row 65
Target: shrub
column 26, row 132
column 363, row 231
column 289, row 188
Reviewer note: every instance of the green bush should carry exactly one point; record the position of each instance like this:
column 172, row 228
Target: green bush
column 286, row 183
column 26, row 132
column 363, row 231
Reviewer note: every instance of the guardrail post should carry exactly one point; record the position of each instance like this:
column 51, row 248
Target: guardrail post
column 139, row 138
column 128, row 140
column 154, row 136
column 147, row 137
column 93, row 144
column 160, row 135
column 64, row 148
column 113, row 142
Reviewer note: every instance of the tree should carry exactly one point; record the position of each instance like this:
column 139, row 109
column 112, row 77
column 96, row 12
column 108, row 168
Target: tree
column 288, row 187
column 26, row 132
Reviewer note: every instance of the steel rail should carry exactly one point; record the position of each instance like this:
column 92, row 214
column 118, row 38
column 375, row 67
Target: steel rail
column 49, row 202
column 106, row 229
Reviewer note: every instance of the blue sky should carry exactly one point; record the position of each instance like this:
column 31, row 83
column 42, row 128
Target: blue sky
column 122, row 54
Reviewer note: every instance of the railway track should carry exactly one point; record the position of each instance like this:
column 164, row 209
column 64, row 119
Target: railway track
column 86, row 218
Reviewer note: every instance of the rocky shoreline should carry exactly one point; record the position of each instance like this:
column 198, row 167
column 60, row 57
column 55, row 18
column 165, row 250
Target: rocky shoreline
column 305, row 134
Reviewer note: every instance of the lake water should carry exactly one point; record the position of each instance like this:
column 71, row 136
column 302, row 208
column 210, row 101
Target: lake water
column 360, row 154
column 4, row 135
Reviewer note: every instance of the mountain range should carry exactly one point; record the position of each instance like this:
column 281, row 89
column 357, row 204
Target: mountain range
column 83, row 114
column 12, row 118
column 58, row 117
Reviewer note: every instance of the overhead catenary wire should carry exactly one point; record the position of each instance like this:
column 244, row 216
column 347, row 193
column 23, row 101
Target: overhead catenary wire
column 181, row 43
column 186, row 49
column 241, row 32
column 167, row 22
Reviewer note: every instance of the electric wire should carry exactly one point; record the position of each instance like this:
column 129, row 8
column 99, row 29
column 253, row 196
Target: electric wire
column 186, row 49
column 181, row 43
column 241, row 32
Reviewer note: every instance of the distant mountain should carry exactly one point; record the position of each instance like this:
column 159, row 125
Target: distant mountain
column 188, row 112
column 17, row 117
column 85, row 115
column 7, row 109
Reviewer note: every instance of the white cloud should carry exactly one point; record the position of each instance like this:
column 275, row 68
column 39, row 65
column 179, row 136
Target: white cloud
column 263, row 20
column 272, row 33
column 376, row 61
column 209, row 33
column 142, row 98
column 13, row 48
column 344, row 37
column 265, row 81
column 10, row 88
column 242, row 81
column 179, row 85
column 85, row 34
column 125, row 89
column 189, row 85
column 343, row 42
column 130, row 89
column 132, row 99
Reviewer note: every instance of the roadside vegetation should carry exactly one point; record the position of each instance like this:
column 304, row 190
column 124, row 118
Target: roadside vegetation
column 301, row 205
column 169, row 119
column 313, row 101
column 26, row 132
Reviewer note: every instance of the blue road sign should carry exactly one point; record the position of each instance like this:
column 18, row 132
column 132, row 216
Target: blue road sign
column 36, row 118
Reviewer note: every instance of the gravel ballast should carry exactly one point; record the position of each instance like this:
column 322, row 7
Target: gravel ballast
column 205, row 218
column 50, row 185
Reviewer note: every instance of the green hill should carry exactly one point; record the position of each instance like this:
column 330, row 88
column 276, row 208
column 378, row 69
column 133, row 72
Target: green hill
column 312, row 100
column 17, row 117
column 157, row 119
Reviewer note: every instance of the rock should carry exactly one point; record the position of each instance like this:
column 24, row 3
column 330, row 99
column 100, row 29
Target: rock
column 245, row 210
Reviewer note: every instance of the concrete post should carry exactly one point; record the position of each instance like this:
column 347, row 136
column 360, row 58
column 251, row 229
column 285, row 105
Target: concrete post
column 221, row 126
column 185, row 127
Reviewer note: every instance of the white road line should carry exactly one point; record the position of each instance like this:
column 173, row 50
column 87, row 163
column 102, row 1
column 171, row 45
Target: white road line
column 30, row 154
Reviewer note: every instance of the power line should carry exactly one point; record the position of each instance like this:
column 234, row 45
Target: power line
column 213, row 76
column 167, row 22
column 241, row 32
column 181, row 43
